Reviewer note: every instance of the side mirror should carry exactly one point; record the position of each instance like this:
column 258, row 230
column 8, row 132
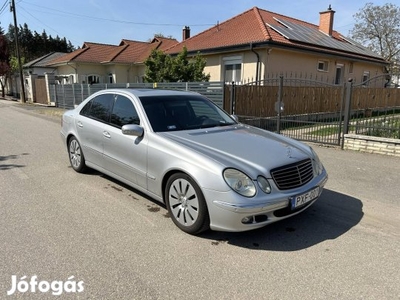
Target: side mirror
column 235, row 117
column 132, row 129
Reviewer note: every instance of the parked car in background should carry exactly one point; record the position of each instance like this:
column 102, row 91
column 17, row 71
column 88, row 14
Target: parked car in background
column 184, row 151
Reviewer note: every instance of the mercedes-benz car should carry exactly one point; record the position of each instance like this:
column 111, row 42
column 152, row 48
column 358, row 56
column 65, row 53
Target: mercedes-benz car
column 181, row 149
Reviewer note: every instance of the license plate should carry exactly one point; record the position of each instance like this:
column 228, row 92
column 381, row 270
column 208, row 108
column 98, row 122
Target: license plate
column 302, row 199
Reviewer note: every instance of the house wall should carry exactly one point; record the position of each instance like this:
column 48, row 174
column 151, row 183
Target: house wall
column 277, row 61
column 121, row 73
column 41, row 71
column 69, row 72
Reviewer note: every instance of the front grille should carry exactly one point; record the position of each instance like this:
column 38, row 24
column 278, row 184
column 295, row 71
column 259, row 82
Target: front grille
column 293, row 175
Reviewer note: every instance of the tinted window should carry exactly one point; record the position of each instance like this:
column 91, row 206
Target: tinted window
column 99, row 107
column 123, row 112
column 169, row 113
column 86, row 109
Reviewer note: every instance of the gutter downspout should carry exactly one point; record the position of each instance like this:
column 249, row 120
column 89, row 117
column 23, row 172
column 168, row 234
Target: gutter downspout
column 258, row 63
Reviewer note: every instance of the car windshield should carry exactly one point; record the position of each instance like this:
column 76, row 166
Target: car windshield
column 183, row 112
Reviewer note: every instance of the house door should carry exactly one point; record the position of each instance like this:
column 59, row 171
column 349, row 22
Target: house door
column 40, row 91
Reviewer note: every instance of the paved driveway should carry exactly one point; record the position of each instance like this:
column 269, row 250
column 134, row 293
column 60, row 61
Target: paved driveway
column 56, row 223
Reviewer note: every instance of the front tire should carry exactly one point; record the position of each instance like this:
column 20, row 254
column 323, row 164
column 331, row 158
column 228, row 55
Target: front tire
column 186, row 204
column 76, row 157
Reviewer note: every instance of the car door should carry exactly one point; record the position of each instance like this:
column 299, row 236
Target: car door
column 90, row 127
column 124, row 155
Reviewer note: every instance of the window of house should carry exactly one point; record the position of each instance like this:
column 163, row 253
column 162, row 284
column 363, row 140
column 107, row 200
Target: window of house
column 123, row 112
column 323, row 65
column 91, row 79
column 110, row 78
column 232, row 69
column 365, row 79
column 339, row 73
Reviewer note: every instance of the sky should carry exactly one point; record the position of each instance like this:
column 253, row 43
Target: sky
column 110, row 21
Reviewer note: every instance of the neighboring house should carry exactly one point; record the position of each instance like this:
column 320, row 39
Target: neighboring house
column 252, row 46
column 40, row 66
column 258, row 43
column 34, row 72
column 101, row 63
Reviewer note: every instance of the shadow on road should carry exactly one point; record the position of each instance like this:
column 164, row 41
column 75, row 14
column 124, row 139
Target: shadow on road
column 9, row 166
column 330, row 217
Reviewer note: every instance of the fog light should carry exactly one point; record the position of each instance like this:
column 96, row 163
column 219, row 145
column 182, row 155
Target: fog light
column 247, row 220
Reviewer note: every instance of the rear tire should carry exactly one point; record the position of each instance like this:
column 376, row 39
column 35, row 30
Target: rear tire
column 76, row 157
column 186, row 204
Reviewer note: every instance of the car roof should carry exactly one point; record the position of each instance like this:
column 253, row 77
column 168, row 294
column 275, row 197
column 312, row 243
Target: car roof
column 151, row 92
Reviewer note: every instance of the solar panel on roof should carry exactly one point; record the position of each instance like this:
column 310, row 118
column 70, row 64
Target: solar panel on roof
column 309, row 35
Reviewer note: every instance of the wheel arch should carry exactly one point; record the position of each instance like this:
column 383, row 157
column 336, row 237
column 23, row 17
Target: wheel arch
column 175, row 171
column 165, row 180
column 69, row 136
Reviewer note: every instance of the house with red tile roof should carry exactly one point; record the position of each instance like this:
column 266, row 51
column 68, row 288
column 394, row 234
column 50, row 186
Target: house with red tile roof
column 102, row 63
column 251, row 46
column 257, row 43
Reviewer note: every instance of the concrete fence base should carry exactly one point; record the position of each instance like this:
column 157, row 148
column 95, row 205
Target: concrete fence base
column 372, row 144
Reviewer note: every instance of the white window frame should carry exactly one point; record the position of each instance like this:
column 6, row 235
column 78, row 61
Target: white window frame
column 95, row 76
column 325, row 64
column 366, row 76
column 233, row 60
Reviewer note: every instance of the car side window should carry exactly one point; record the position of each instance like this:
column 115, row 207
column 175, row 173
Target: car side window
column 98, row 108
column 123, row 112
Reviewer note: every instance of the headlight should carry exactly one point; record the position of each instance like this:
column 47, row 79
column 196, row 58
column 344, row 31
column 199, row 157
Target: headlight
column 318, row 167
column 264, row 184
column 239, row 182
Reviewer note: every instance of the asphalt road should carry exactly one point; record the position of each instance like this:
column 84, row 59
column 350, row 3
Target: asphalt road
column 56, row 223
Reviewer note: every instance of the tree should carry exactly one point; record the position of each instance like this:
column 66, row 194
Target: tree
column 31, row 46
column 161, row 67
column 34, row 45
column 158, row 67
column 4, row 63
column 378, row 28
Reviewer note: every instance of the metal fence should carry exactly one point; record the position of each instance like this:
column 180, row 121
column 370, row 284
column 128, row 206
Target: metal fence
column 69, row 95
column 375, row 111
column 317, row 111
column 308, row 109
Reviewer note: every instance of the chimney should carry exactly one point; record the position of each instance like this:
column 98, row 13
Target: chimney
column 326, row 21
column 185, row 33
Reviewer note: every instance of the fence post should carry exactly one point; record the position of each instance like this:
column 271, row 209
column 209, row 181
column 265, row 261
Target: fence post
column 232, row 98
column 279, row 104
column 73, row 94
column 55, row 95
column 347, row 109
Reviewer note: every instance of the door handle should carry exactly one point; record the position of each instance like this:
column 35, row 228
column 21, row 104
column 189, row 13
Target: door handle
column 106, row 134
column 79, row 123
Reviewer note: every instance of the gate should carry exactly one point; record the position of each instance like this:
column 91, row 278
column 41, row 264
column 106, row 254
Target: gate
column 300, row 108
column 40, row 91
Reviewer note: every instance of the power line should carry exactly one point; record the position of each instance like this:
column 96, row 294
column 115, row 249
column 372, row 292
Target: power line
column 38, row 19
column 112, row 20
column 3, row 8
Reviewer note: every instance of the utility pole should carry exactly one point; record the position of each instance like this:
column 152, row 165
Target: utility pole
column 21, row 77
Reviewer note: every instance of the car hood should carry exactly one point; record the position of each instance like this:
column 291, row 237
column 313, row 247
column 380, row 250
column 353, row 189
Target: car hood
column 247, row 148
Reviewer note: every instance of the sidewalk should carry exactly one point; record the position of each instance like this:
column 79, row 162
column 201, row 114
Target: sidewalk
column 46, row 110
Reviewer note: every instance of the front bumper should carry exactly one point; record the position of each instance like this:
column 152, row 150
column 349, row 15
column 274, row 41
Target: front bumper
column 228, row 215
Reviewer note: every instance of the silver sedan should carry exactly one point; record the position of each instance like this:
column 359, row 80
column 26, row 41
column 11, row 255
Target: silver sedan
column 184, row 151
